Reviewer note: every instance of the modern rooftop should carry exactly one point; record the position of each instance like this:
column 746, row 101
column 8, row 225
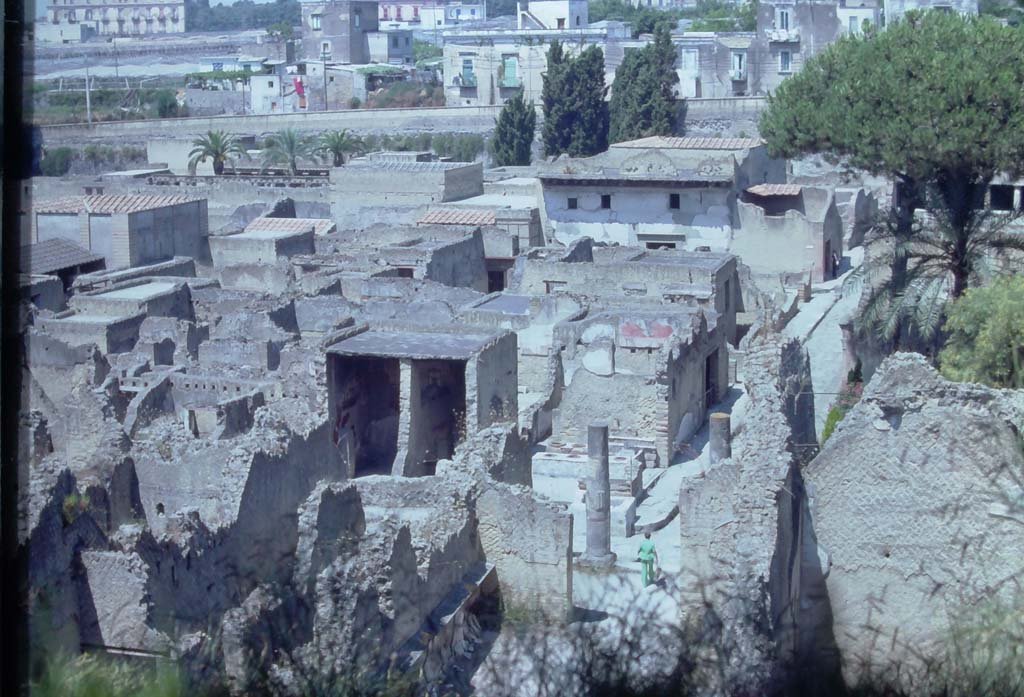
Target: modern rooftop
column 448, row 216
column 319, row 226
column 691, row 143
column 107, row 204
column 54, row 255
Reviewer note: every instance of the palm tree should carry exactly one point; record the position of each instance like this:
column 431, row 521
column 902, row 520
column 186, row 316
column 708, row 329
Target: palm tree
column 943, row 254
column 286, row 148
column 217, row 146
column 338, row 144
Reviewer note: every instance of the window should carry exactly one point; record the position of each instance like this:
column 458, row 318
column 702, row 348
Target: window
column 407, row 41
column 727, row 292
column 853, row 25
column 325, row 49
column 606, row 200
column 783, row 20
column 358, row 16
column 561, row 22
column 577, row 20
column 688, row 60
column 468, row 78
column 394, row 42
column 573, row 203
column 405, row 272
column 1000, row 197
column 785, row 62
column 552, row 286
column 472, row 11
column 270, row 84
column 673, row 201
column 314, row 21
column 660, row 245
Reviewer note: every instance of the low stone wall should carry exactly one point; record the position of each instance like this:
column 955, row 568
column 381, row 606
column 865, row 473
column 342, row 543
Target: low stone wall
column 529, row 541
column 476, row 119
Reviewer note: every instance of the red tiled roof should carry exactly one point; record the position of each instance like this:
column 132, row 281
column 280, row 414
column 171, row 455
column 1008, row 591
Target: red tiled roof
column 691, row 143
column 448, row 216
column 111, row 203
column 775, row 189
column 320, row 226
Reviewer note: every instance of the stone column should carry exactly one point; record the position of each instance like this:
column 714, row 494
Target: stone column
column 719, row 437
column 599, row 520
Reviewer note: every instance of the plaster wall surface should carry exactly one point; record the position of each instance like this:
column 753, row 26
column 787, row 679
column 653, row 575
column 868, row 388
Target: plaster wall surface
column 915, row 523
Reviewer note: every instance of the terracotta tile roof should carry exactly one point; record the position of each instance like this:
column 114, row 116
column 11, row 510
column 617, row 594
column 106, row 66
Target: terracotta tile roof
column 775, row 189
column 691, row 143
column 404, row 166
column 105, row 204
column 448, row 216
column 320, row 226
column 53, row 255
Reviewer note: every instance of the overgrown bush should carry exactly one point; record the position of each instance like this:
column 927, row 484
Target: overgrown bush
column 849, row 395
column 986, row 335
column 56, row 162
column 74, row 505
column 461, row 147
column 94, row 676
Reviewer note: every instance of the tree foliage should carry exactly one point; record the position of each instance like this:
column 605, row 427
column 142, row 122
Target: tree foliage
column 242, row 14
column 935, row 98
column 939, row 261
column 935, row 102
column 286, row 148
column 643, row 101
column 708, row 15
column 514, row 132
column 337, row 144
column 575, row 112
column 217, row 146
column 986, row 335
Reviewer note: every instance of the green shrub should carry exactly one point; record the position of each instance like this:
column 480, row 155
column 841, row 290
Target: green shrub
column 166, row 104
column 93, row 676
column 835, row 415
column 74, row 505
column 354, row 103
column 57, row 162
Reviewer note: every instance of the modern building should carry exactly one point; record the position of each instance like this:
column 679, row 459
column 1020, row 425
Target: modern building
column 123, row 17
column 126, row 230
column 338, row 30
column 428, row 14
column 489, row 66
column 64, row 33
column 895, row 9
column 552, row 14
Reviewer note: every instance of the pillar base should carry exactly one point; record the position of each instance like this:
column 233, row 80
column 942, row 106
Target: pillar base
column 604, row 561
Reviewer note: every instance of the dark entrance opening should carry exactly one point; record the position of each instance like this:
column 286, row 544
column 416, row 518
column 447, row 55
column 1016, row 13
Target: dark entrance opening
column 438, row 413
column 711, row 380
column 495, row 281
column 365, row 408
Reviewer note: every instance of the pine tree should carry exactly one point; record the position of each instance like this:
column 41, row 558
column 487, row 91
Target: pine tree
column 513, row 134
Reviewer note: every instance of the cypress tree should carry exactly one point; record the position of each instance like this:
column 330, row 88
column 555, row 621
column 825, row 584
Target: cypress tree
column 643, row 102
column 513, row 133
column 556, row 134
column 586, row 93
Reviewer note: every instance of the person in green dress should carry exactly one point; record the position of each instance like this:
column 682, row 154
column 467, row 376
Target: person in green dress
column 648, row 560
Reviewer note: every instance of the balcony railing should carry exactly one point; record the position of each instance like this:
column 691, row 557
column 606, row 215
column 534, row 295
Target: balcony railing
column 738, row 74
column 510, row 81
column 467, row 80
column 784, row 36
